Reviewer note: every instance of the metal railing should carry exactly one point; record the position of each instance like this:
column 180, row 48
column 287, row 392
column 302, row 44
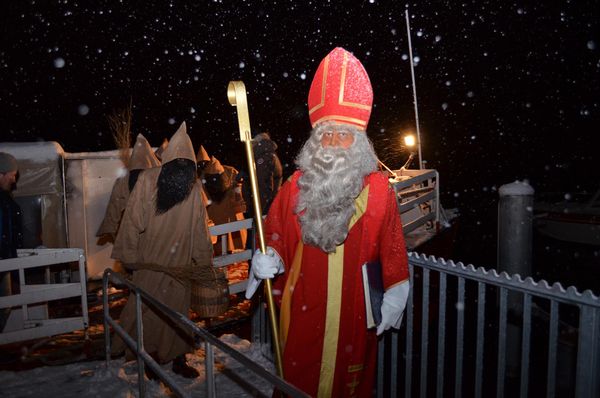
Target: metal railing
column 469, row 332
column 181, row 321
column 472, row 332
column 221, row 231
column 418, row 197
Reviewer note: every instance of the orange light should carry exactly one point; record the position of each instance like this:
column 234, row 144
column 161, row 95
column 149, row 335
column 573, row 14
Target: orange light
column 409, row 140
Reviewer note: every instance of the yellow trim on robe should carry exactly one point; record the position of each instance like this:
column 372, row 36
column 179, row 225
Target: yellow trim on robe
column 335, row 273
column 286, row 299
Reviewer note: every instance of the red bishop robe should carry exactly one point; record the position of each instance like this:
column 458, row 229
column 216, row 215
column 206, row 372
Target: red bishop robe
column 327, row 349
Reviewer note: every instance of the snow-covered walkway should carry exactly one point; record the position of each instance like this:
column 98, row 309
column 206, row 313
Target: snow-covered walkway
column 119, row 379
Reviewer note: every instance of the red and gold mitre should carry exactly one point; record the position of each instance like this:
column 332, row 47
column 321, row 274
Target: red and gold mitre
column 340, row 91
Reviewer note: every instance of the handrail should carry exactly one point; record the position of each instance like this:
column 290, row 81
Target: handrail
column 542, row 288
column 181, row 320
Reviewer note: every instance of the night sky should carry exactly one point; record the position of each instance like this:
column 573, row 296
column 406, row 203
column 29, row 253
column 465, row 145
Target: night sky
column 506, row 90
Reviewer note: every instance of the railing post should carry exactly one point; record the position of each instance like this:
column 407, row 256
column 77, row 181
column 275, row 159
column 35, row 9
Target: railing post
column 588, row 355
column 209, row 360
column 140, row 343
column 106, row 315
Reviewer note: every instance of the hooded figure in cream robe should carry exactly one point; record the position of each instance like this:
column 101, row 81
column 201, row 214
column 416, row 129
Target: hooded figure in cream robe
column 164, row 239
column 203, row 160
column 142, row 158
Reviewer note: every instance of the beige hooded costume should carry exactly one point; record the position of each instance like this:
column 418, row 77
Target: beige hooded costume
column 142, row 158
column 161, row 149
column 202, row 156
column 163, row 250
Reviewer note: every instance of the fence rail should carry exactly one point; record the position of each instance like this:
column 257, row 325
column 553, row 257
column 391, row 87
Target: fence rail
column 181, row 321
column 473, row 332
column 470, row 332
column 29, row 317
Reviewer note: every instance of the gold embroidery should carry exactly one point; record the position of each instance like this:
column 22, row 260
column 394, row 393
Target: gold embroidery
column 354, row 383
column 353, row 120
column 355, row 368
column 323, row 87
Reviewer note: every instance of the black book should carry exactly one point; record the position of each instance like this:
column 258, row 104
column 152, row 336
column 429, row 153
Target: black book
column 373, row 289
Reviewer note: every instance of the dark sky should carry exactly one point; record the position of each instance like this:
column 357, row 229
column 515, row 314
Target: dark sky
column 506, row 90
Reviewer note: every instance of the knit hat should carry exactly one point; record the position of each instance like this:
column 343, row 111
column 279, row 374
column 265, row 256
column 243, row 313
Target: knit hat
column 8, row 163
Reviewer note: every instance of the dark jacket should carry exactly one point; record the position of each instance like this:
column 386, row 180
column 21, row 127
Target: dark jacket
column 269, row 172
column 10, row 226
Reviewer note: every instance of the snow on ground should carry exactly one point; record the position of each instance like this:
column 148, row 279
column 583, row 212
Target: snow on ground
column 119, row 379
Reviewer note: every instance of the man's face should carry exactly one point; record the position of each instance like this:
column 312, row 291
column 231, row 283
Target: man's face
column 7, row 180
column 337, row 137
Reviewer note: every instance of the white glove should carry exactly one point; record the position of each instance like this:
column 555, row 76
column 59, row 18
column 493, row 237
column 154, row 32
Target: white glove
column 392, row 308
column 264, row 266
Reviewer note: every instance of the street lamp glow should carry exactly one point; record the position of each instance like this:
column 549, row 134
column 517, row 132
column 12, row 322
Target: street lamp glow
column 409, row 140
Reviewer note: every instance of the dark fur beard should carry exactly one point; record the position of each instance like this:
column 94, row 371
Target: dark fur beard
column 175, row 182
column 215, row 186
column 133, row 177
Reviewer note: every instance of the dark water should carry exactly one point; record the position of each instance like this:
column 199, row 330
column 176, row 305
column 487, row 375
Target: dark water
column 571, row 264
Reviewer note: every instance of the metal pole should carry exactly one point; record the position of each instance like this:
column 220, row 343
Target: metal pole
column 209, row 360
column 236, row 93
column 414, row 89
column 106, row 315
column 140, row 343
column 515, row 220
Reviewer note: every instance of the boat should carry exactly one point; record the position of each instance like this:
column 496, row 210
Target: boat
column 575, row 218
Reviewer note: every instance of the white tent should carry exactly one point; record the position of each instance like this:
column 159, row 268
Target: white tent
column 64, row 196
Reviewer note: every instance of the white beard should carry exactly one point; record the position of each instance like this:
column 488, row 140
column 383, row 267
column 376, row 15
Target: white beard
column 331, row 180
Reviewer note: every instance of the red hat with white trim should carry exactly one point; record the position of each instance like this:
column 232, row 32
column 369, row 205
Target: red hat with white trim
column 340, row 91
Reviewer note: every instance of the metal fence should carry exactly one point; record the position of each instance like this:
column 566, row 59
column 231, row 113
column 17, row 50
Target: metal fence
column 181, row 321
column 472, row 332
column 37, row 270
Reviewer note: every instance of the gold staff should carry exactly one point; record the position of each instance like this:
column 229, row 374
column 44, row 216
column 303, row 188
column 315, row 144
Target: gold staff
column 236, row 93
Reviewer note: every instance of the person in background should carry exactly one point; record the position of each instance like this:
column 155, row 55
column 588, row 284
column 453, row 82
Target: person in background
column 164, row 239
column 269, row 172
column 335, row 213
column 226, row 202
column 10, row 224
column 269, row 175
column 161, row 149
column 141, row 158
column 203, row 160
